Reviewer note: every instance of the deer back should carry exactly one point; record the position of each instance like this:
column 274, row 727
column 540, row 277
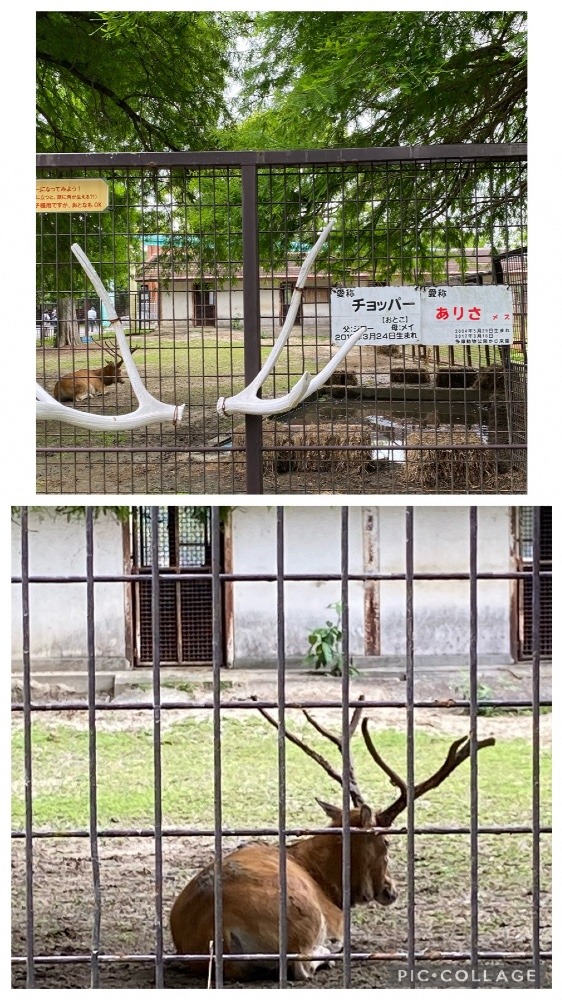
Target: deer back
column 76, row 386
column 251, row 900
column 251, row 896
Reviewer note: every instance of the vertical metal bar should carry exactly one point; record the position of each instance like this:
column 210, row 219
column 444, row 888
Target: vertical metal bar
column 156, row 743
column 252, row 341
column 27, row 752
column 473, row 709
column 282, row 774
column 217, row 758
column 410, row 840
column 535, row 681
column 92, row 755
column 346, row 835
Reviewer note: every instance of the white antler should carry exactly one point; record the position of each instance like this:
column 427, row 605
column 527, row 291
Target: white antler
column 150, row 410
column 247, row 401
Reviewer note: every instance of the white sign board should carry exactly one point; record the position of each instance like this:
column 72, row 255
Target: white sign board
column 457, row 314
column 467, row 314
column 390, row 314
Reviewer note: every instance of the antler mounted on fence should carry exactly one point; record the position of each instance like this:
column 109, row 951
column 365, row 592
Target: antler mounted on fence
column 150, row 409
column 247, row 401
column 153, row 411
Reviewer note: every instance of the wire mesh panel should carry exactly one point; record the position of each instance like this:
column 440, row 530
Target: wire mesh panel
column 172, row 838
column 169, row 252
column 201, row 254
column 391, row 419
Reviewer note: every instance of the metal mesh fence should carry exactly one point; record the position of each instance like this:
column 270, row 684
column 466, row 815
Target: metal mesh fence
column 201, row 254
column 92, row 891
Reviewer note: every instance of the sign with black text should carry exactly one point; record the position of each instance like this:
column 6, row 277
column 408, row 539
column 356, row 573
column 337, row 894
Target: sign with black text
column 440, row 314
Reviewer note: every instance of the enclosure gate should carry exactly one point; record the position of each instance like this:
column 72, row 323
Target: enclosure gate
column 200, row 250
column 142, row 957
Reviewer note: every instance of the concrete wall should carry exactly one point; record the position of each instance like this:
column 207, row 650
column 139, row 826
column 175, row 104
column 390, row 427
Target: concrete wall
column 178, row 305
column 441, row 608
column 312, row 545
column 58, row 620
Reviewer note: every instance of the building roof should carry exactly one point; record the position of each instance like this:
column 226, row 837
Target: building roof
column 476, row 262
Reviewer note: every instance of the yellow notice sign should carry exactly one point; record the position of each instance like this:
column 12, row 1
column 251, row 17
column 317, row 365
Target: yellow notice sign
column 72, row 195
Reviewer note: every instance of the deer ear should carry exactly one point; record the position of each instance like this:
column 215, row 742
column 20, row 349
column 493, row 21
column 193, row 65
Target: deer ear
column 333, row 812
column 366, row 815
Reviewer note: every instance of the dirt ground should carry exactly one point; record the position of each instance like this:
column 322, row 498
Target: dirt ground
column 175, row 470
column 167, row 460
column 63, row 874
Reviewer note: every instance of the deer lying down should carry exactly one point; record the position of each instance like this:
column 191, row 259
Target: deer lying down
column 251, row 895
column 85, row 382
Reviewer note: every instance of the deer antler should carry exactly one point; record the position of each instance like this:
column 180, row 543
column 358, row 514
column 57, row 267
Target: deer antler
column 354, row 791
column 247, row 401
column 150, row 410
column 458, row 752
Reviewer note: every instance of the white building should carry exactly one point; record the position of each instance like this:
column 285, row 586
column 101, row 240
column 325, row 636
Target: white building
column 312, row 546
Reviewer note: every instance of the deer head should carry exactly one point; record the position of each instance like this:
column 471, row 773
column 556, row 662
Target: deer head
column 370, row 878
column 111, row 371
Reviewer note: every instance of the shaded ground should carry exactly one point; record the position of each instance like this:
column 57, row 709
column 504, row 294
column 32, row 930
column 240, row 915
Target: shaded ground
column 164, row 459
column 169, row 463
column 63, row 873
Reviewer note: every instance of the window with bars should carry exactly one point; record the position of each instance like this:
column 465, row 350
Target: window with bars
column 185, row 612
column 526, row 520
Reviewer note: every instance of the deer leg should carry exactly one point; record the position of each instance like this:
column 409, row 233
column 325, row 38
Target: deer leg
column 334, row 927
column 305, row 970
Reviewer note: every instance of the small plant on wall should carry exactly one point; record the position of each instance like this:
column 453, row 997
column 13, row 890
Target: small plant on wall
column 325, row 647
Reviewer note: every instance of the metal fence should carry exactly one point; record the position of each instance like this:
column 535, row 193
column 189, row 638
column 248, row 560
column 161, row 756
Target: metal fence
column 78, row 888
column 201, row 252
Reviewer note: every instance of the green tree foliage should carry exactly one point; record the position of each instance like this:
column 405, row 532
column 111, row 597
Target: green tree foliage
column 156, row 80
column 132, row 80
column 389, row 78
column 384, row 78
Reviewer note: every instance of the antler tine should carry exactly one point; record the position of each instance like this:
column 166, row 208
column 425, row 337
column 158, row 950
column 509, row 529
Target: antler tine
column 354, row 722
column 247, row 400
column 356, row 716
column 303, row 746
column 354, row 791
column 356, row 796
column 458, row 752
column 394, row 777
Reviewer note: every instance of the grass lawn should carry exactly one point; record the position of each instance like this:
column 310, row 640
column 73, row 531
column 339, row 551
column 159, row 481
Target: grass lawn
column 209, row 363
column 188, row 365
column 249, row 777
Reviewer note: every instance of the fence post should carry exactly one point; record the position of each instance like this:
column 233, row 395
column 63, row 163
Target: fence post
column 252, row 342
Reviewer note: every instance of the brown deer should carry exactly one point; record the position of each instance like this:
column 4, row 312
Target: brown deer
column 250, row 876
column 85, row 382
